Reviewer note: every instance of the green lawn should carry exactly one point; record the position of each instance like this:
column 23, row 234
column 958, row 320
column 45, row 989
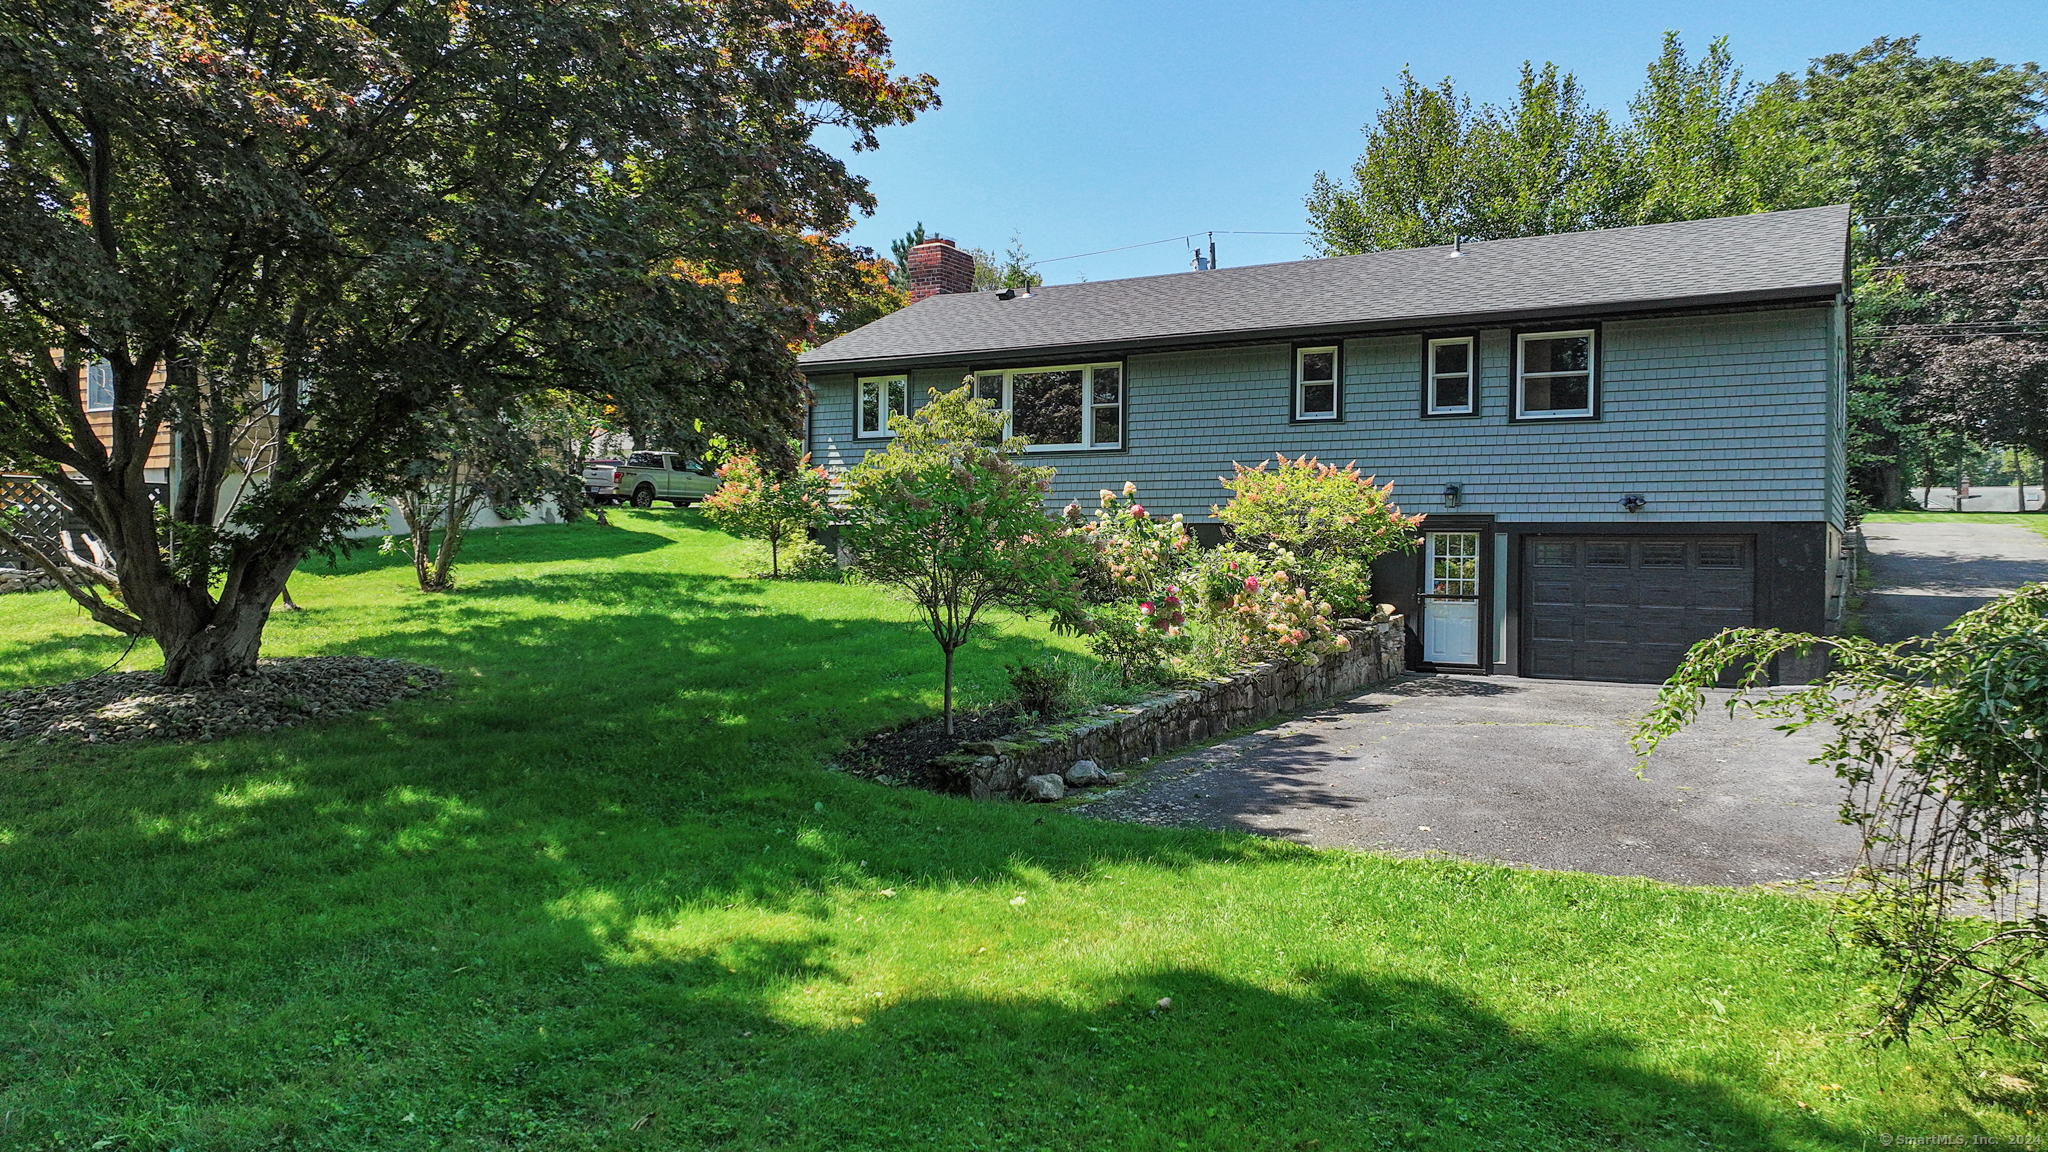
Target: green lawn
column 2033, row 520
column 600, row 894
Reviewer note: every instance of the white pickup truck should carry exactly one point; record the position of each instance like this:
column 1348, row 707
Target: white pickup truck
column 601, row 480
column 649, row 476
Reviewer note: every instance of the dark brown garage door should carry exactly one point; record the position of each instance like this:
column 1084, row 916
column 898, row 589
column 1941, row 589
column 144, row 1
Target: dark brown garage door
column 1628, row 607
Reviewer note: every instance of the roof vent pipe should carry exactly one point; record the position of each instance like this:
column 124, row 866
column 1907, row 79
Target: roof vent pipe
column 1457, row 244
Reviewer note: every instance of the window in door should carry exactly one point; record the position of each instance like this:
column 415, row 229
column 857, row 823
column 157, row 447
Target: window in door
column 1450, row 598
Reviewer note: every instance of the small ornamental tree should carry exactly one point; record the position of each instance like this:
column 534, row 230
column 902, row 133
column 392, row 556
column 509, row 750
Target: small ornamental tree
column 957, row 524
column 755, row 503
column 1334, row 521
column 1941, row 743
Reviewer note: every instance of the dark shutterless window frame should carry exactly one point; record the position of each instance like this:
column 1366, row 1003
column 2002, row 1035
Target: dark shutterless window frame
column 1005, row 378
column 1295, row 383
column 859, row 399
column 1595, row 398
column 1429, row 373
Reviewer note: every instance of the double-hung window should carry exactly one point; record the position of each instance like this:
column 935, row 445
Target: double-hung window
column 1315, row 383
column 1448, row 390
column 1070, row 407
column 99, row 386
column 1554, row 375
column 880, row 398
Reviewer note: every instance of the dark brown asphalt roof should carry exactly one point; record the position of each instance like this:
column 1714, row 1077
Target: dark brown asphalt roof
column 1734, row 260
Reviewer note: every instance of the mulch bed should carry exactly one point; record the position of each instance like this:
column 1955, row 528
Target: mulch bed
column 125, row 706
column 904, row 756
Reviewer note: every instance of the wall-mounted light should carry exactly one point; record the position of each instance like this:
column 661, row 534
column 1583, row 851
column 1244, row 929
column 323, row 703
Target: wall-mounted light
column 1633, row 502
column 1454, row 495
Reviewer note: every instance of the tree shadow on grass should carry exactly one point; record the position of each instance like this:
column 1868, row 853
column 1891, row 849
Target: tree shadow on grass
column 1348, row 1059
column 525, row 544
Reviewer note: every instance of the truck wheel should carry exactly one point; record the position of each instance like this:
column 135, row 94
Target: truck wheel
column 643, row 496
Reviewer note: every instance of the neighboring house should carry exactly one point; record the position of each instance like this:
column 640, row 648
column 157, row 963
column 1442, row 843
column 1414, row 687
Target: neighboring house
column 1625, row 440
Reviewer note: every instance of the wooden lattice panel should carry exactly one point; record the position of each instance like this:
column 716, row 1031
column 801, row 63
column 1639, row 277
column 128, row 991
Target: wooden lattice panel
column 42, row 513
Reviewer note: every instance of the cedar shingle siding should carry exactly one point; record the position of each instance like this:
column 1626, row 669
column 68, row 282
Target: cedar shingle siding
column 1722, row 367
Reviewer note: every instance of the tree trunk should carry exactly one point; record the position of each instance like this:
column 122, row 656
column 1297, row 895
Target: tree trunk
column 774, row 558
column 949, row 692
column 224, row 643
column 2041, row 458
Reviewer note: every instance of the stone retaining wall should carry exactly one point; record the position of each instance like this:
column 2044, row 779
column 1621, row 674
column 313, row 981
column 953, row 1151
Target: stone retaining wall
column 24, row 580
column 997, row 769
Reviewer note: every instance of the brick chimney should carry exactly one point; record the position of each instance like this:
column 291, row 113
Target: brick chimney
column 938, row 266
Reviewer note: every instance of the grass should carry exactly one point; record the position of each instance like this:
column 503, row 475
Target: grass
column 600, row 894
column 2034, row 520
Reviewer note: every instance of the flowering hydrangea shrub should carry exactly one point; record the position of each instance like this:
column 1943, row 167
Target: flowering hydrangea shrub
column 753, row 502
column 1261, row 609
column 1333, row 521
column 1137, row 620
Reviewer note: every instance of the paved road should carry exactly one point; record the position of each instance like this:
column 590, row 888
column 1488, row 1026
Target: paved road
column 1993, row 499
column 1531, row 772
column 1927, row 574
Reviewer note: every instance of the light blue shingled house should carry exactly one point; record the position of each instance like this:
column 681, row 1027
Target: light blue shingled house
column 1624, row 440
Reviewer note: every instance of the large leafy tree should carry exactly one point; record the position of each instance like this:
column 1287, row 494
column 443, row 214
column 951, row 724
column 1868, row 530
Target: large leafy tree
column 306, row 224
column 1898, row 134
column 1973, row 330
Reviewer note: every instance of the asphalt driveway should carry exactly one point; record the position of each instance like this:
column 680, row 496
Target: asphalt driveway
column 1924, row 575
column 1534, row 772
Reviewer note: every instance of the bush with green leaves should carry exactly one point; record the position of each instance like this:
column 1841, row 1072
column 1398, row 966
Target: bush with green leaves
column 1333, row 521
column 950, row 517
column 1942, row 745
column 1136, row 618
column 754, row 502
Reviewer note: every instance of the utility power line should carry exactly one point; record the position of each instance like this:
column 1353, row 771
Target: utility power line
column 1168, row 240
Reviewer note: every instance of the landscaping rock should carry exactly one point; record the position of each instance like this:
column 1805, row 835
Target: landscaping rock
column 1047, row 787
column 1084, row 773
column 122, row 706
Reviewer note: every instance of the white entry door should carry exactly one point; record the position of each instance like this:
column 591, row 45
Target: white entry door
column 1450, row 598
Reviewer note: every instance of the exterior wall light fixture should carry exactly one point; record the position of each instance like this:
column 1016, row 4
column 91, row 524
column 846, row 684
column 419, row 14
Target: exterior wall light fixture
column 1633, row 502
column 1454, row 495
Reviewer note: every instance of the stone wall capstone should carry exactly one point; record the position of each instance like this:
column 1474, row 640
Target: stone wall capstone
column 1167, row 721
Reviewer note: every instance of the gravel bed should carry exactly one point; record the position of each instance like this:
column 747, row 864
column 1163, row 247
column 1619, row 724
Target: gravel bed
column 122, row 706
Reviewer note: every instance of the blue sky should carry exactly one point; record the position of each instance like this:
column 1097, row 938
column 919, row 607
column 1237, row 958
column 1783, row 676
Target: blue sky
column 1090, row 125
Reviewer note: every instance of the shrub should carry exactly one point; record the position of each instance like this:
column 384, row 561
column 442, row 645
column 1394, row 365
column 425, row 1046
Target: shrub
column 957, row 525
column 1040, row 690
column 1260, row 609
column 753, row 502
column 1942, row 743
column 1333, row 521
column 803, row 560
column 1136, row 618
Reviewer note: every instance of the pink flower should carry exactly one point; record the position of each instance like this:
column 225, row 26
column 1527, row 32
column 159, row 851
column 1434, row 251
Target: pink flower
column 1251, row 583
column 1138, row 510
column 1130, row 488
column 1145, row 608
column 1106, row 495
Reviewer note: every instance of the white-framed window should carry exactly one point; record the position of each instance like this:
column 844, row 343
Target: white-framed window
column 1554, row 375
column 1453, row 564
column 1448, row 390
column 880, row 398
column 1315, row 383
column 1066, row 407
column 99, row 386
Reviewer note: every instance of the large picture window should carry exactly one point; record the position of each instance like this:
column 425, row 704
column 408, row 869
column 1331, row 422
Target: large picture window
column 99, row 386
column 1068, row 407
column 1448, row 390
column 880, row 398
column 1554, row 375
column 1315, row 383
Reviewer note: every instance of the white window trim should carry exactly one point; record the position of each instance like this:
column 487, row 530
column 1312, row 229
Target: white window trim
column 1592, row 374
column 1088, row 406
column 860, row 395
column 1336, row 384
column 1471, row 375
column 107, row 368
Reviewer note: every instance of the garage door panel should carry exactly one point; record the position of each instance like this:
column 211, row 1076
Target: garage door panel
column 1629, row 607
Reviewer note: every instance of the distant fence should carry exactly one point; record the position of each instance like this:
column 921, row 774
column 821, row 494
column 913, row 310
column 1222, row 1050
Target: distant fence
column 41, row 513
